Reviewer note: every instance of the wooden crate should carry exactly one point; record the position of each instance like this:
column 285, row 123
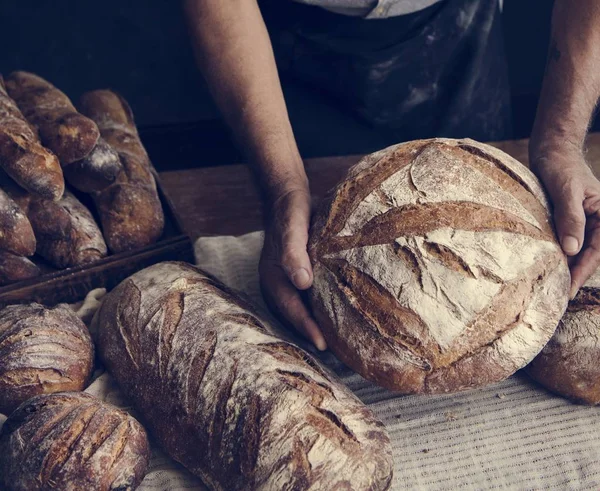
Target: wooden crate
column 72, row 284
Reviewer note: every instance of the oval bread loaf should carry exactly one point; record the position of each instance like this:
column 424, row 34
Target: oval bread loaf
column 570, row 363
column 72, row 442
column 21, row 154
column 238, row 406
column 70, row 135
column 130, row 209
column 16, row 234
column 436, row 267
column 42, row 350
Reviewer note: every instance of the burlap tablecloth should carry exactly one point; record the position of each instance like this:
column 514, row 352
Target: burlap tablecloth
column 512, row 435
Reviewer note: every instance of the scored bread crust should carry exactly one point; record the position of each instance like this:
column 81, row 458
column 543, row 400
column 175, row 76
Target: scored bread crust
column 436, row 267
column 569, row 364
column 72, row 441
column 236, row 405
column 42, row 350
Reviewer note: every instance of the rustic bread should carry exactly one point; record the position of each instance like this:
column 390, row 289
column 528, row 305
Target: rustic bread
column 238, row 406
column 21, row 154
column 570, row 363
column 16, row 234
column 70, row 135
column 130, row 210
column 436, row 267
column 72, row 442
column 42, row 350
column 16, row 268
column 95, row 172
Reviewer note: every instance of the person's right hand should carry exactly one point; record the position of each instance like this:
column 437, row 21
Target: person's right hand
column 285, row 267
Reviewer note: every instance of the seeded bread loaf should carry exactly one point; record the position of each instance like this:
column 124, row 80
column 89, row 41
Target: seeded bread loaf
column 70, row 135
column 72, row 442
column 436, row 267
column 21, row 154
column 42, row 350
column 570, row 363
column 16, row 268
column 234, row 403
column 130, row 210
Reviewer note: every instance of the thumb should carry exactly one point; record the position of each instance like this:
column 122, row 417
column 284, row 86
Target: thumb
column 569, row 218
column 294, row 258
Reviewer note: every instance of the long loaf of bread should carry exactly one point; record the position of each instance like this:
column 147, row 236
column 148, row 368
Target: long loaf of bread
column 65, row 231
column 70, row 135
column 234, row 403
column 130, row 209
column 21, row 154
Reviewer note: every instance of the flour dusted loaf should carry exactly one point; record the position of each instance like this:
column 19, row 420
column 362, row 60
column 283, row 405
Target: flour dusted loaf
column 16, row 234
column 66, row 233
column 42, row 350
column 16, row 268
column 130, row 210
column 436, row 267
column 72, row 442
column 570, row 363
column 70, row 135
column 238, row 406
column 21, row 154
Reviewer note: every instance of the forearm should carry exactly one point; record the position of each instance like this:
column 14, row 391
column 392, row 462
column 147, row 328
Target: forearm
column 234, row 53
column 571, row 85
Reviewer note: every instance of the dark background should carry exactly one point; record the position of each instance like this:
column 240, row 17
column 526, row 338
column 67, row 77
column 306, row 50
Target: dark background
column 141, row 49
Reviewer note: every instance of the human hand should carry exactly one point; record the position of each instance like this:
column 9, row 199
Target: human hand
column 575, row 194
column 285, row 268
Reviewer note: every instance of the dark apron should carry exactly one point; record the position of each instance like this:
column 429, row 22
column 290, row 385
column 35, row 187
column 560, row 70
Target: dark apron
column 438, row 72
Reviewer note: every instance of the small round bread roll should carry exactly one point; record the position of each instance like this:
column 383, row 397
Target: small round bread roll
column 42, row 350
column 71, row 441
column 436, row 267
column 569, row 364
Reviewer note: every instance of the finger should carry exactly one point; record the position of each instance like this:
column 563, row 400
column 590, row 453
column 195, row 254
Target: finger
column 294, row 256
column 569, row 217
column 285, row 300
column 586, row 262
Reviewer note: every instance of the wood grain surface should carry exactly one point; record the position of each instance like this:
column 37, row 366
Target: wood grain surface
column 226, row 200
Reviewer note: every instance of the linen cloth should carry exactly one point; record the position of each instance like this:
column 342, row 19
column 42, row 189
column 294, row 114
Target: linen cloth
column 511, row 435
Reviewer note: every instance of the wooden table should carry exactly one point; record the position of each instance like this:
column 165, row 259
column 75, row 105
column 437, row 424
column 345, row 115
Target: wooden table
column 225, row 200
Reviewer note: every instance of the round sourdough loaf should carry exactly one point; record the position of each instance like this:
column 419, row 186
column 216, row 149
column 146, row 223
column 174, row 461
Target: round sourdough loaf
column 42, row 350
column 73, row 442
column 570, row 363
column 436, row 268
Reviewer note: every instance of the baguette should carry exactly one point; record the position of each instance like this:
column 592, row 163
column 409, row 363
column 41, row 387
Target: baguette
column 70, row 135
column 130, row 210
column 237, row 405
column 21, row 154
column 65, row 231
column 43, row 351
column 15, row 268
column 72, row 442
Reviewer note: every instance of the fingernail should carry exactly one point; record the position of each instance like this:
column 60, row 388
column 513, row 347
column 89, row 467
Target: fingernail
column 300, row 278
column 320, row 344
column 573, row 292
column 570, row 244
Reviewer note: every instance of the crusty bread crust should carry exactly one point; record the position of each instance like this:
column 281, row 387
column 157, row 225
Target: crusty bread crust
column 237, row 405
column 72, row 442
column 436, row 268
column 42, row 351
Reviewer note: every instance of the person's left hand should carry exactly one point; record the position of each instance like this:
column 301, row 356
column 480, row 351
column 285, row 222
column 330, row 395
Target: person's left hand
column 575, row 195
